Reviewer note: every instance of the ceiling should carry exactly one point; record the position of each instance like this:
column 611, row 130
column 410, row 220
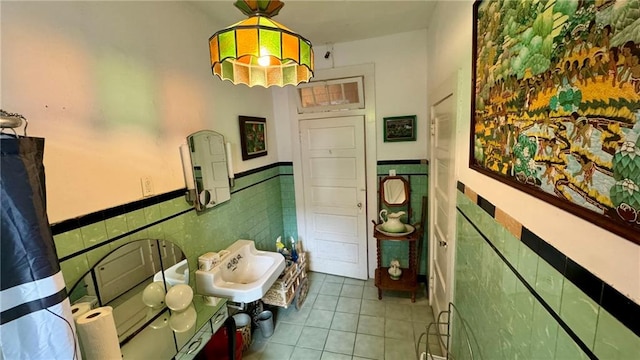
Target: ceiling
column 334, row 21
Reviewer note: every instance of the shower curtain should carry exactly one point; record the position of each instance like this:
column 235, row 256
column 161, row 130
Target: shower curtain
column 35, row 315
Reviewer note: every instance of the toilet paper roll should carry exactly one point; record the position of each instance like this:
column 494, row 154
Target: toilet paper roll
column 79, row 309
column 98, row 335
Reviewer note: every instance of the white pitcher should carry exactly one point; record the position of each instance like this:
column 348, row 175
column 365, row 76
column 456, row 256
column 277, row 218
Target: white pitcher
column 392, row 222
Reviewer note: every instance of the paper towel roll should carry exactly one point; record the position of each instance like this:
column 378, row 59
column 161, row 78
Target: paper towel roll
column 79, row 309
column 98, row 335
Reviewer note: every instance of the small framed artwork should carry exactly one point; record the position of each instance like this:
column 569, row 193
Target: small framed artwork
column 253, row 137
column 400, row 128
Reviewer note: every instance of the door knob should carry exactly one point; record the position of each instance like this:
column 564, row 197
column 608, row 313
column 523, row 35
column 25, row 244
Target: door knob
column 359, row 205
column 443, row 243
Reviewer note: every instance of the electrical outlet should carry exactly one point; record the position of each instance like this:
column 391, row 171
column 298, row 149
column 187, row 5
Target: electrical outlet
column 147, row 186
column 392, row 172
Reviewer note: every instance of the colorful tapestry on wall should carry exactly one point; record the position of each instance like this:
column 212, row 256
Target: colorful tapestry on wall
column 556, row 111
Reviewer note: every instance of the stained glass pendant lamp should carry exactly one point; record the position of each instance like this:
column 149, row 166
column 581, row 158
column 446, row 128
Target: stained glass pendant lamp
column 260, row 51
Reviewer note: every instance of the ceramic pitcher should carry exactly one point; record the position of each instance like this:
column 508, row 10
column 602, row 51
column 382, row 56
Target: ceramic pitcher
column 392, row 222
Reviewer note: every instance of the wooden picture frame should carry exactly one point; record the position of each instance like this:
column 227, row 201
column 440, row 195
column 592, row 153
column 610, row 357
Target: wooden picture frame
column 253, row 137
column 400, row 128
column 556, row 105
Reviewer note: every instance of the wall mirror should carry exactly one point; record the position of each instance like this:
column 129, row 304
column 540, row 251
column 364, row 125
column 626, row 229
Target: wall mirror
column 127, row 279
column 394, row 190
column 209, row 167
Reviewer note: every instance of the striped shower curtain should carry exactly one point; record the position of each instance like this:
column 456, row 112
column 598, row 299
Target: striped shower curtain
column 35, row 315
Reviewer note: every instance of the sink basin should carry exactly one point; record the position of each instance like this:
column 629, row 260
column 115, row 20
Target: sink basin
column 244, row 275
column 176, row 274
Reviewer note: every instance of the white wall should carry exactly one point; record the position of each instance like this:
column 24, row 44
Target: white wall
column 610, row 257
column 400, row 79
column 115, row 87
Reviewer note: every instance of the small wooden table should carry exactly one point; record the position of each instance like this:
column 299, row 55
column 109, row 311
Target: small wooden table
column 409, row 279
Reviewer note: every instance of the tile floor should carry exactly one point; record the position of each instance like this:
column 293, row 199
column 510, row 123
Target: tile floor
column 342, row 318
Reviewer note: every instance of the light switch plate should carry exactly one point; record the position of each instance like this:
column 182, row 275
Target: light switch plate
column 147, row 186
column 392, row 172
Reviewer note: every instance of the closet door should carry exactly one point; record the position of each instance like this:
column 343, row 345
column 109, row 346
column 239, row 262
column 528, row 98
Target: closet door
column 333, row 166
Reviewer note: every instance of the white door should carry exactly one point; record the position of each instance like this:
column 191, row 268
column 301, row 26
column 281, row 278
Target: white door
column 442, row 192
column 333, row 171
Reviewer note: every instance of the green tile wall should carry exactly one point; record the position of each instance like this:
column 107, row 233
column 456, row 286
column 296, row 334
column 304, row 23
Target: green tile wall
column 288, row 198
column 507, row 321
column 261, row 205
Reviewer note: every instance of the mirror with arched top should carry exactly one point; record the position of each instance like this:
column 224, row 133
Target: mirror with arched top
column 209, row 167
column 133, row 280
column 394, row 190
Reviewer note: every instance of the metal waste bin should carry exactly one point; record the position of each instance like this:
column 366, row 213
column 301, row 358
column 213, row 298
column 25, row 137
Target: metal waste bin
column 265, row 323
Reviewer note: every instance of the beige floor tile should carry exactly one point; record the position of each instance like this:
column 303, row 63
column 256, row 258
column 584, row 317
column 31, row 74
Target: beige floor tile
column 334, row 279
column 313, row 338
column 372, row 308
column 370, row 347
column 305, row 354
column 286, row 334
column 330, row 288
column 340, row 342
column 275, row 351
column 326, row 302
column 343, row 319
column 371, row 325
column 350, row 281
column 370, row 293
column 320, row 318
column 422, row 313
column 326, row 355
column 345, row 322
column 348, row 305
column 398, row 311
column 352, row 291
column 398, row 329
column 399, row 349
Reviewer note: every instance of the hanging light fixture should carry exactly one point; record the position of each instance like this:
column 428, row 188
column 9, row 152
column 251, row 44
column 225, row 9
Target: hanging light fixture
column 260, row 51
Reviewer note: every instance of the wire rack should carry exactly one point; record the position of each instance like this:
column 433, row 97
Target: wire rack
column 449, row 321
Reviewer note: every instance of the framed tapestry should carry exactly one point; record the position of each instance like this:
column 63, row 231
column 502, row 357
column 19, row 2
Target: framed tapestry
column 556, row 105
column 400, row 128
column 253, row 137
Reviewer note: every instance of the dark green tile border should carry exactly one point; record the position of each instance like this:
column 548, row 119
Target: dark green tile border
column 263, row 168
column 86, row 250
column 622, row 308
column 78, row 222
column 402, row 162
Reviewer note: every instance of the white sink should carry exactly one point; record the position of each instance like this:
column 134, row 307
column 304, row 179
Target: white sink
column 244, row 275
column 176, row 274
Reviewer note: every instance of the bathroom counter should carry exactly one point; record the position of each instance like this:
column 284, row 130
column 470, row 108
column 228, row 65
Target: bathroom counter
column 210, row 319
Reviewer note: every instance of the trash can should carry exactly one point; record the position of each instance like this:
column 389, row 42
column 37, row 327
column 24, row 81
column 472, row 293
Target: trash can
column 218, row 347
column 265, row 323
column 243, row 327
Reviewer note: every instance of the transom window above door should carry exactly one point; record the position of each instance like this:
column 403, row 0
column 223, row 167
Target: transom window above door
column 330, row 95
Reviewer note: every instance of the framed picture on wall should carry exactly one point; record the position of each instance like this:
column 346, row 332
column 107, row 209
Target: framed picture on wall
column 400, row 128
column 253, row 137
column 556, row 105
